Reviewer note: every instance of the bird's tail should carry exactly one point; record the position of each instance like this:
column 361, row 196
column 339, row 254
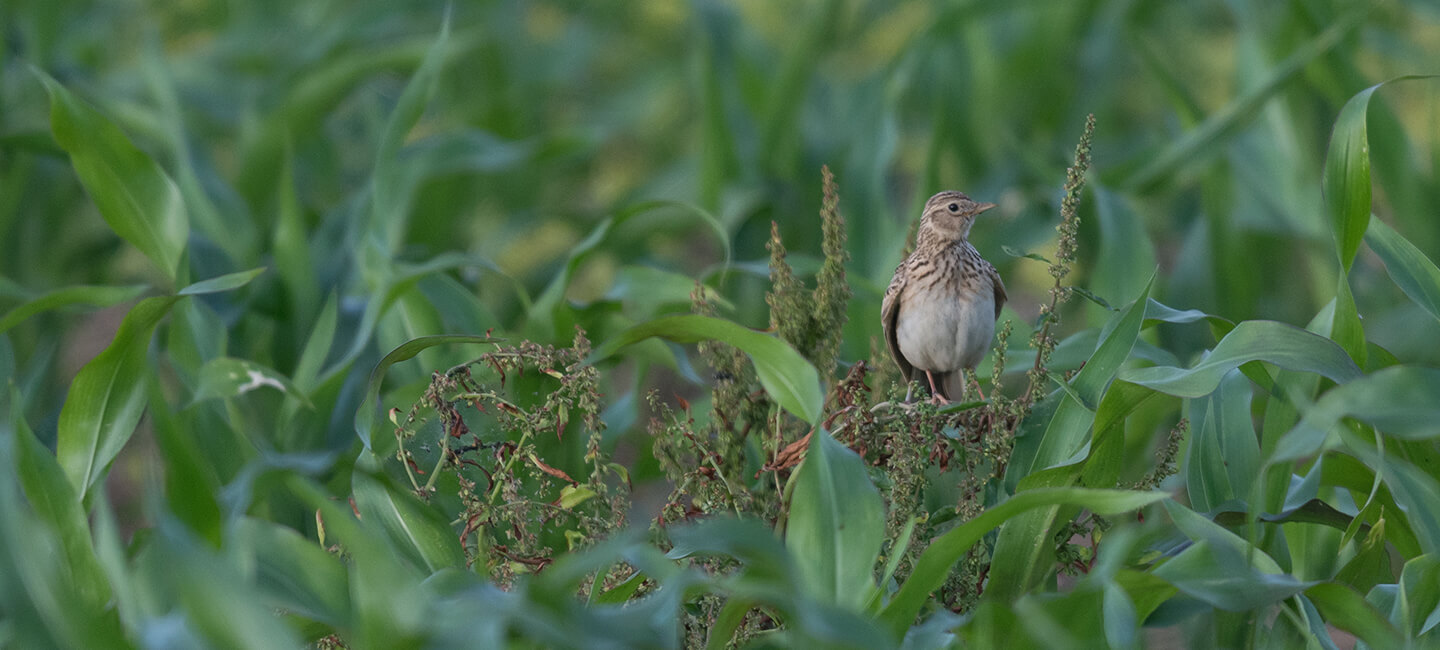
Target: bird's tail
column 951, row 385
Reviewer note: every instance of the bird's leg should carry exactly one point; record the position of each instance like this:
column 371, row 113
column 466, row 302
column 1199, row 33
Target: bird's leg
column 935, row 395
column 972, row 380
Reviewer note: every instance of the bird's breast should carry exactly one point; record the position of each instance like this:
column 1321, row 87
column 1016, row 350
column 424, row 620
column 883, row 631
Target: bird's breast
column 940, row 328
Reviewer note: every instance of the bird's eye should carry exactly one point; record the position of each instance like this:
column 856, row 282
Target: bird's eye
column 953, row 208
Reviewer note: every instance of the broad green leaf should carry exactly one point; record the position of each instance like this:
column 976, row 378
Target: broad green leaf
column 786, row 376
column 1346, row 329
column 92, row 296
column 1121, row 620
column 648, row 289
column 225, row 282
column 139, row 201
column 933, row 566
column 1223, row 452
column 1417, row 611
column 1284, row 345
column 192, row 482
column 229, row 377
column 388, row 603
column 1347, row 173
column 1414, row 491
column 836, row 524
column 56, row 504
column 1222, row 569
column 107, row 397
column 1344, row 608
column 1407, row 265
column 753, row 544
column 416, row 530
column 295, row 573
column 731, row 615
column 1076, row 413
column 1371, row 564
column 1021, row 547
column 1157, row 312
column 365, row 415
column 1403, row 401
column 1350, row 473
column 1107, row 447
column 1347, row 177
column 221, row 606
column 44, row 605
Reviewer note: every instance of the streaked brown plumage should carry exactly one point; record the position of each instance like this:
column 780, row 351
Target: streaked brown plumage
column 939, row 312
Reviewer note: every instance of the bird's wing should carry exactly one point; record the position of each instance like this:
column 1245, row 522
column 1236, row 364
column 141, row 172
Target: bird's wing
column 890, row 314
column 999, row 285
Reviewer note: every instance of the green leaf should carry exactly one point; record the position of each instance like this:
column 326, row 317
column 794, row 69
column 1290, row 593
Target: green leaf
column 933, row 566
column 135, row 196
column 1223, row 453
column 786, row 376
column 229, row 377
column 225, row 282
column 1344, row 608
column 1021, row 547
column 415, row 529
column 1403, row 401
column 1222, row 569
column 295, row 573
column 44, row 605
column 107, row 398
column 1347, row 177
column 1071, row 423
column 648, row 289
column 220, row 605
column 365, row 415
column 836, row 524
column 82, row 295
column 1407, row 265
column 192, row 483
column 387, row 600
column 1121, row 620
column 1347, row 173
column 1284, row 345
column 1417, row 611
column 56, row 504
column 1107, row 447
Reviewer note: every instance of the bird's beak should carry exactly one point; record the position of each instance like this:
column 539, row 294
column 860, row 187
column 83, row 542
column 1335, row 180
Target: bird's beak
column 983, row 207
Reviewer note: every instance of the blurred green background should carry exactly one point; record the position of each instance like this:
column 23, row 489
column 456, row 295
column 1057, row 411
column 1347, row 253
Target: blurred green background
column 513, row 194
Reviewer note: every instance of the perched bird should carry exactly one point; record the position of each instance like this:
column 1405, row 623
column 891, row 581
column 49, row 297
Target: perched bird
column 939, row 312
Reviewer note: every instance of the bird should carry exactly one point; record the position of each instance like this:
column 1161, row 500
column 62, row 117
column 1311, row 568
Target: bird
column 939, row 312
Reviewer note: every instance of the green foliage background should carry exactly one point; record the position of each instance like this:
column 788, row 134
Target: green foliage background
column 225, row 229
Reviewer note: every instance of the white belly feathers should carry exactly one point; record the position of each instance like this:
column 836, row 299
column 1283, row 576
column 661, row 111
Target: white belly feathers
column 940, row 333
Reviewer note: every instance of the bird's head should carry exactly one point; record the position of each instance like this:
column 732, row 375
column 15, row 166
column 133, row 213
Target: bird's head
column 950, row 214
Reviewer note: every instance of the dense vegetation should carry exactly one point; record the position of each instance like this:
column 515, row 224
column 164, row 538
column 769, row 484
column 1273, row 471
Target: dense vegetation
column 555, row 324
